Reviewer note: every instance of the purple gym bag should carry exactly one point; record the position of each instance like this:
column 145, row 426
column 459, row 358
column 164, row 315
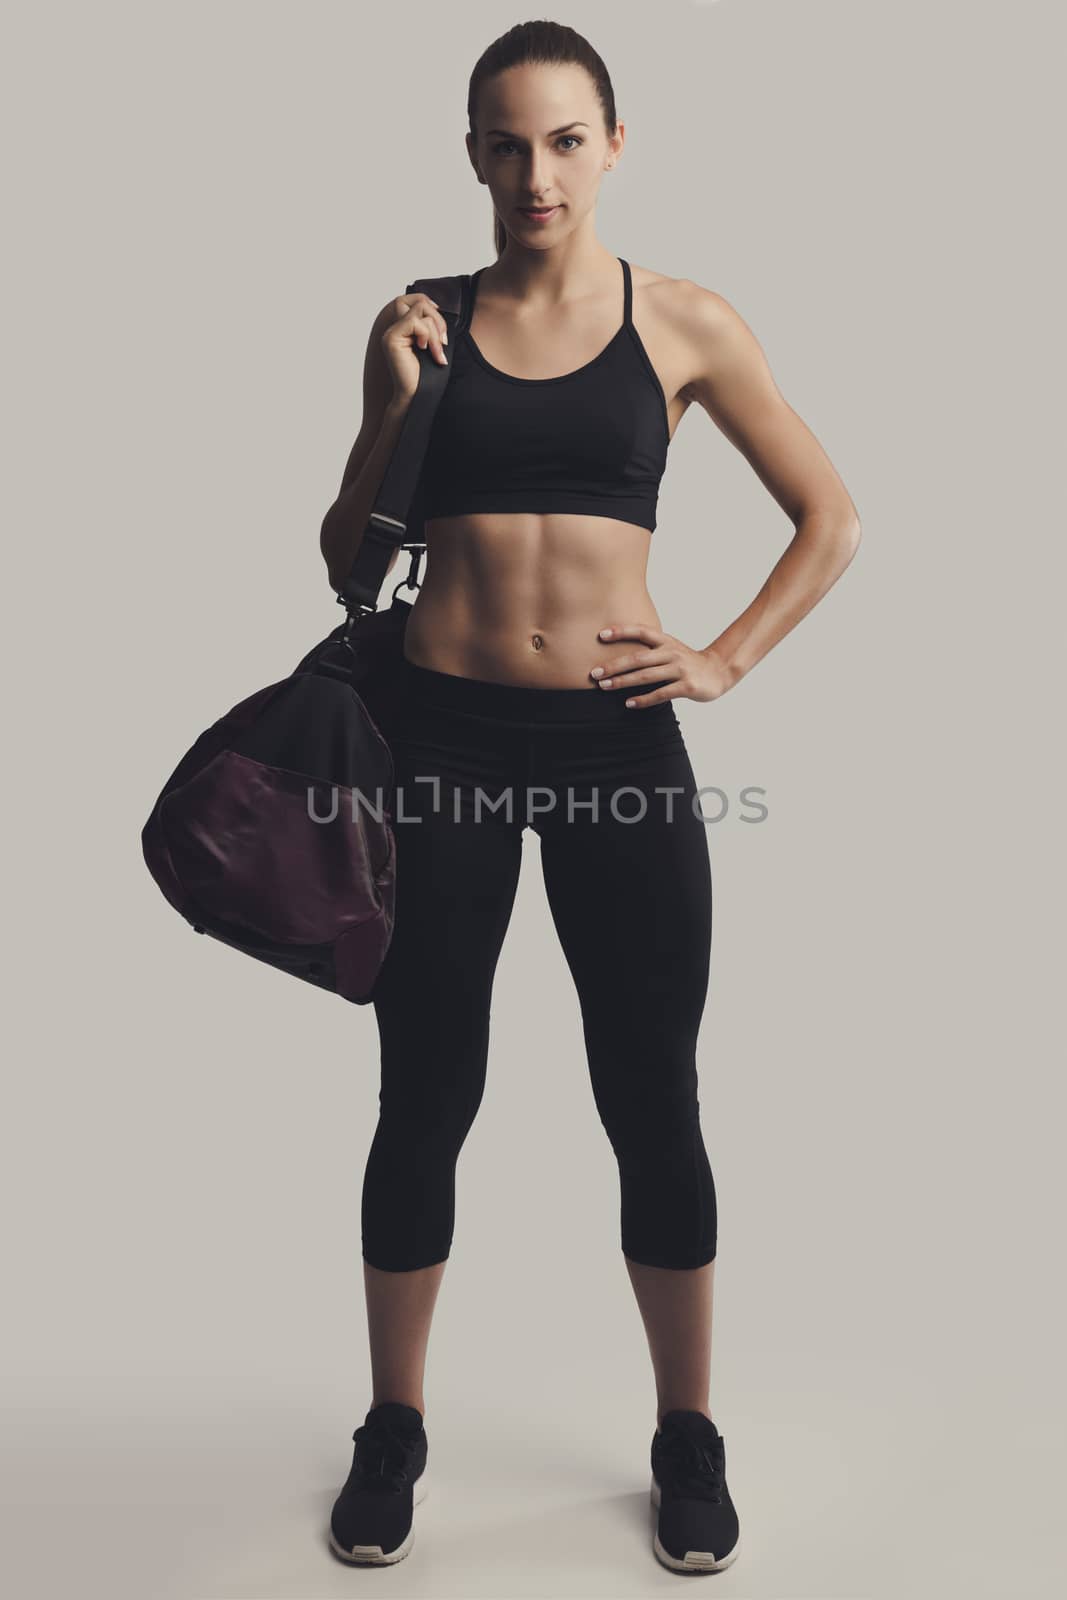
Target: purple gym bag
column 273, row 834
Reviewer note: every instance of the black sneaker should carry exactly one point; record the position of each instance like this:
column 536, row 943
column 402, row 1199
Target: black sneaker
column 697, row 1527
column 370, row 1524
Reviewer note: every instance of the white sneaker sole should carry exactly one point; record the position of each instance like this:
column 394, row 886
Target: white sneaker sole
column 372, row 1555
column 694, row 1560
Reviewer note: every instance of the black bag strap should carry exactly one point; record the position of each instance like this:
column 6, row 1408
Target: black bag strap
column 387, row 528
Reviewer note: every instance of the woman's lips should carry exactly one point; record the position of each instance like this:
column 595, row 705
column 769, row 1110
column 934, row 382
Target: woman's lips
column 543, row 215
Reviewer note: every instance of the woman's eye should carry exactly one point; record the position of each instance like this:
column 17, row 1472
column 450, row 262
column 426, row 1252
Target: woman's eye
column 506, row 144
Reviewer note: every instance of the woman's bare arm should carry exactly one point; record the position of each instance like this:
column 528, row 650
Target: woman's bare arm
column 345, row 523
column 735, row 386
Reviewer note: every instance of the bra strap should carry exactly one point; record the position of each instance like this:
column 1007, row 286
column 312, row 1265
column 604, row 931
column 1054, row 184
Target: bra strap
column 628, row 295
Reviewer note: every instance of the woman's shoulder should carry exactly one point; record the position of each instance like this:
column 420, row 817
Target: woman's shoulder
column 680, row 307
column 673, row 296
column 445, row 290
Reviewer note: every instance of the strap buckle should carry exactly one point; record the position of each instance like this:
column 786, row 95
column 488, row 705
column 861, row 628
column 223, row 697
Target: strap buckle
column 412, row 579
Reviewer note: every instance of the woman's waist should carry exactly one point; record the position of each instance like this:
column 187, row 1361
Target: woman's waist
column 550, row 647
column 483, row 701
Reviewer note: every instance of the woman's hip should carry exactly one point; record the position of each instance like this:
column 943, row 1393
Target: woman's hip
column 466, row 734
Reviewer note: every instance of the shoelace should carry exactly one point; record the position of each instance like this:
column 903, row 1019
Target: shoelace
column 383, row 1457
column 694, row 1469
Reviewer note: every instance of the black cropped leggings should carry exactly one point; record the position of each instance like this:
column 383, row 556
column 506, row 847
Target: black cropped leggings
column 629, row 888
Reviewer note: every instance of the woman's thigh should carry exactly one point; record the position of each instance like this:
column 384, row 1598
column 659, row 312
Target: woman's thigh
column 455, row 888
column 629, row 885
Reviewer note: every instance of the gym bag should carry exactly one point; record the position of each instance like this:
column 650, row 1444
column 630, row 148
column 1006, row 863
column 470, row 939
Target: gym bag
column 273, row 834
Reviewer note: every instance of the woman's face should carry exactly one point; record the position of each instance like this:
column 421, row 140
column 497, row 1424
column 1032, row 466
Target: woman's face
column 542, row 142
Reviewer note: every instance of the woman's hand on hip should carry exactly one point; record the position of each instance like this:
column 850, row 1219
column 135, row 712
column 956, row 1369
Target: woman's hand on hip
column 681, row 670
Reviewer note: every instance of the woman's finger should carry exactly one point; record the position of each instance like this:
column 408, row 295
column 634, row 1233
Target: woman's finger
column 429, row 330
column 431, row 339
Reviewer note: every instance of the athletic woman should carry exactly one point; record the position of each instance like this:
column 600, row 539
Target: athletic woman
column 538, row 690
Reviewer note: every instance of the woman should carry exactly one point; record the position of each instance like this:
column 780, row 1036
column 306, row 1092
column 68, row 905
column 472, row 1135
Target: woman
column 538, row 677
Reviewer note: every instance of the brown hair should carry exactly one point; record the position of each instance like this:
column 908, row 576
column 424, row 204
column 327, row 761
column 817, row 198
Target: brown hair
column 542, row 42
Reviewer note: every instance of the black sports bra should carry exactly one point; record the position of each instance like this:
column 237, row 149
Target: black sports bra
column 593, row 441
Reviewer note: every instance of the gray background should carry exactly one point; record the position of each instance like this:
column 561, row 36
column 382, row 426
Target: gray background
column 206, row 204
